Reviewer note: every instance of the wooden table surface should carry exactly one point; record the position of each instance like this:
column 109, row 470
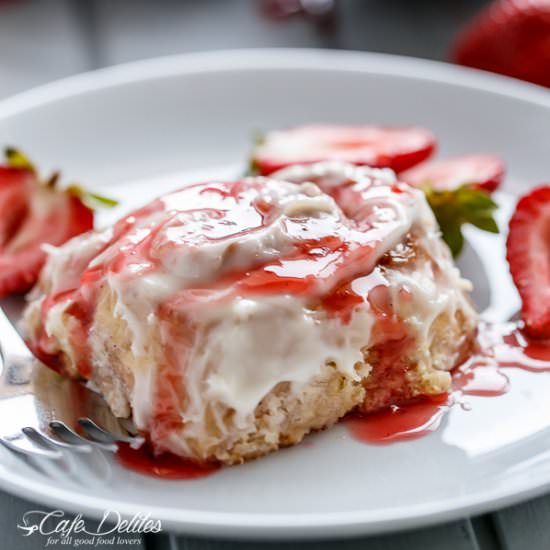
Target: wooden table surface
column 44, row 40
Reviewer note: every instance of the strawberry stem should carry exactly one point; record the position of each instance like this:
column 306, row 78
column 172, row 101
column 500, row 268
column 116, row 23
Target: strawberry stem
column 16, row 159
column 91, row 200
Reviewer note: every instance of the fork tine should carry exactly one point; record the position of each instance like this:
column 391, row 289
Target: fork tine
column 78, row 459
column 38, row 464
column 46, row 440
column 70, row 437
column 28, row 447
column 103, row 436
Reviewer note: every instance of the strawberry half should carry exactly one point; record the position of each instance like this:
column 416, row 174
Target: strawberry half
column 528, row 253
column 34, row 213
column 15, row 190
column 396, row 148
column 481, row 171
column 510, row 37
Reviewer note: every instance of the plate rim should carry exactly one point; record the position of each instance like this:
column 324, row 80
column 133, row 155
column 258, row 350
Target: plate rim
column 261, row 59
column 276, row 526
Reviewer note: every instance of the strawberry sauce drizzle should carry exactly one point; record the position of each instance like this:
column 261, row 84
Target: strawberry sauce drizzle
column 415, row 419
column 166, row 465
column 482, row 375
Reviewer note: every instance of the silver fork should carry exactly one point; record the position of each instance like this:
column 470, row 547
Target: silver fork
column 36, row 418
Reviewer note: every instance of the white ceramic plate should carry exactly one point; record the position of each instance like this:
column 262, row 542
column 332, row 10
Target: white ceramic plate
column 140, row 129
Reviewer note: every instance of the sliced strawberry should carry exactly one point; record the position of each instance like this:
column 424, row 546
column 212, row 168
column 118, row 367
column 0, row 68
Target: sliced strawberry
column 34, row 213
column 396, row 148
column 510, row 37
column 15, row 189
column 528, row 253
column 46, row 215
column 482, row 171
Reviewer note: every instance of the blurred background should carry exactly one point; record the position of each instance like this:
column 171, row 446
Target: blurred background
column 42, row 40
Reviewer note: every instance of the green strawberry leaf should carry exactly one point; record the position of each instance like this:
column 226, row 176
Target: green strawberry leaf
column 91, row 200
column 454, row 208
column 452, row 235
column 17, row 159
column 473, row 200
column 252, row 169
column 258, row 138
column 486, row 223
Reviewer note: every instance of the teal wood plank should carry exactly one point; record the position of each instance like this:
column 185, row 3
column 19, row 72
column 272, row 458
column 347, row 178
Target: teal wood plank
column 525, row 526
column 458, row 535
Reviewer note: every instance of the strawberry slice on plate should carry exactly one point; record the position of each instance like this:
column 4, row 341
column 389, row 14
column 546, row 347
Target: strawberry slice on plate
column 34, row 213
column 396, row 148
column 481, row 171
column 528, row 254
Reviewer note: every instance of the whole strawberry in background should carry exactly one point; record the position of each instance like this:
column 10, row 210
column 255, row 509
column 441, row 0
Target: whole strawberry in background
column 510, row 37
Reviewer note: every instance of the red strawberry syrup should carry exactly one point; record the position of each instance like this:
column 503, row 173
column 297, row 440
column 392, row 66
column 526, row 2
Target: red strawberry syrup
column 410, row 421
column 483, row 375
column 165, row 465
